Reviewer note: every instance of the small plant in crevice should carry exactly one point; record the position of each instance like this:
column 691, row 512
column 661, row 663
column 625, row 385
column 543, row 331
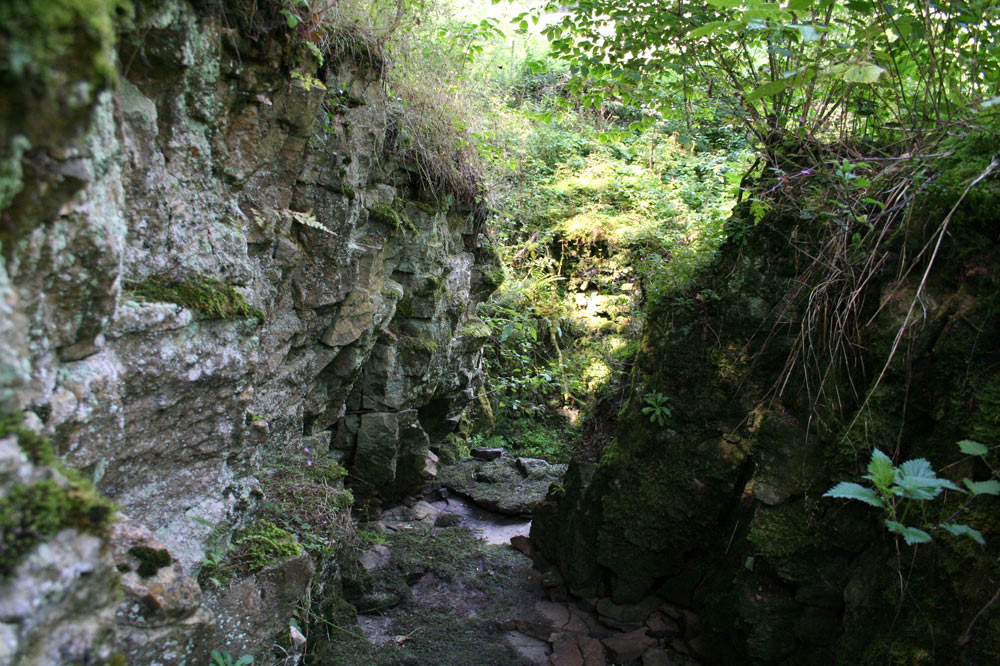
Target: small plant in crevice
column 897, row 490
column 212, row 567
column 226, row 659
column 656, row 408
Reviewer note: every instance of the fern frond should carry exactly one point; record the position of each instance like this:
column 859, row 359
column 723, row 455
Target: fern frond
column 309, row 220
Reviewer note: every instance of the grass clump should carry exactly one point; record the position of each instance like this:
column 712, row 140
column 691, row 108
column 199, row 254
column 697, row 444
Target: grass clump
column 307, row 498
column 214, row 299
column 30, row 514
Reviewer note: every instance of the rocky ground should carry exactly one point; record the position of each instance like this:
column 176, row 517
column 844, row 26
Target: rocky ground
column 446, row 582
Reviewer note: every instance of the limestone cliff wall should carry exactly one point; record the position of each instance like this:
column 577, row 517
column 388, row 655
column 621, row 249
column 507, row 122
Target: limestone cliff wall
column 181, row 165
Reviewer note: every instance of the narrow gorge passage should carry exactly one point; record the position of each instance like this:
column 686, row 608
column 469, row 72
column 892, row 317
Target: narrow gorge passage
column 475, row 333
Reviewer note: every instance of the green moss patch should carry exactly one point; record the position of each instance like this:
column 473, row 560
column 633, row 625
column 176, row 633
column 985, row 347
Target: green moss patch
column 151, row 560
column 214, row 299
column 389, row 216
column 30, row 514
column 40, row 33
column 264, row 544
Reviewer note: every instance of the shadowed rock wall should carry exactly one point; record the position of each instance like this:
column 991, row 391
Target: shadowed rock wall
column 720, row 507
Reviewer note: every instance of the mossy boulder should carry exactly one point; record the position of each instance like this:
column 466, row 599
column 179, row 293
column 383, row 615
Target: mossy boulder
column 508, row 485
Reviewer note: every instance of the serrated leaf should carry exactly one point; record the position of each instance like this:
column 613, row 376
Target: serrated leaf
column 920, row 488
column 965, row 530
column 991, row 487
column 847, row 490
column 971, row 448
column 880, row 469
column 769, row 89
column 911, row 535
column 724, row 4
column 917, row 467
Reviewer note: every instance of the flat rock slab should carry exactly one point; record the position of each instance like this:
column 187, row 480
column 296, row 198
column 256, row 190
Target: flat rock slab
column 533, row 650
column 486, row 455
column 507, row 485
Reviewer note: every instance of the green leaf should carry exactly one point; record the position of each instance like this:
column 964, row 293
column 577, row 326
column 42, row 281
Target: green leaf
column 880, row 470
column 990, row 487
column 291, row 18
column 866, row 74
column 911, row 535
column 918, row 467
column 711, row 28
column 769, row 89
column 799, row 5
column 965, row 530
column 808, row 33
column 724, row 4
column 971, row 448
column 847, row 490
column 507, row 331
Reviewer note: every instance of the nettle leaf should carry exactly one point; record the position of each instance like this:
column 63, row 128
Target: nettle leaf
column 847, row 490
column 769, row 89
column 991, row 487
column 917, row 488
column 965, row 530
column 971, row 448
column 918, row 467
column 911, row 535
column 880, row 470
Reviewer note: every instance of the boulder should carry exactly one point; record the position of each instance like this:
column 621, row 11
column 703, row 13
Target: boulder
column 508, row 485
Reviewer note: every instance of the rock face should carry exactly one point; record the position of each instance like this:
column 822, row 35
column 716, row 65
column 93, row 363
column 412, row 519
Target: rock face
column 213, row 261
column 721, row 509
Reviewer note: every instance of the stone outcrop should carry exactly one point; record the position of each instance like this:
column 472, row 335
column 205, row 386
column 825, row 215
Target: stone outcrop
column 209, row 261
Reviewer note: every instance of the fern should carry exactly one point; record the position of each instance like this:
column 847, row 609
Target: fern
column 308, row 219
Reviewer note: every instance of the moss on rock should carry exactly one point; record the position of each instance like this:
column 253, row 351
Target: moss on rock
column 214, row 299
column 31, row 513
